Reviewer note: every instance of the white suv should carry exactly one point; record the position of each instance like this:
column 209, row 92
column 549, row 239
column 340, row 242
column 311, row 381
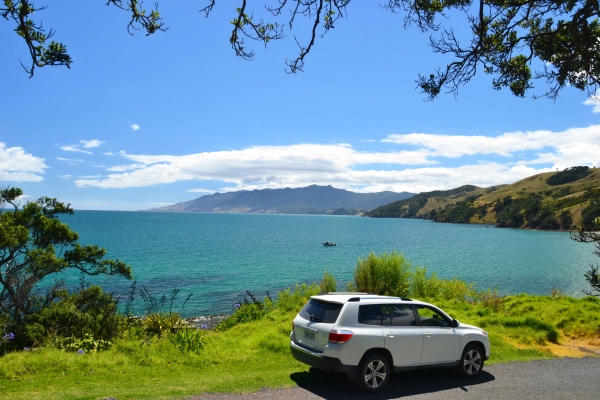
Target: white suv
column 369, row 336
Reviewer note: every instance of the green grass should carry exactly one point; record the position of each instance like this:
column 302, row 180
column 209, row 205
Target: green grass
column 255, row 354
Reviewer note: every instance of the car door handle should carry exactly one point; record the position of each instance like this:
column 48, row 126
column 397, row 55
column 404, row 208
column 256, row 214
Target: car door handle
column 428, row 334
column 390, row 334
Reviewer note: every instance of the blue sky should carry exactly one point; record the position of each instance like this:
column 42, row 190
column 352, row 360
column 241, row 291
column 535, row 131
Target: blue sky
column 141, row 122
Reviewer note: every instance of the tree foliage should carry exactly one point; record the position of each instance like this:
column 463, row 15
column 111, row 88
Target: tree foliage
column 568, row 175
column 581, row 234
column 506, row 37
column 35, row 244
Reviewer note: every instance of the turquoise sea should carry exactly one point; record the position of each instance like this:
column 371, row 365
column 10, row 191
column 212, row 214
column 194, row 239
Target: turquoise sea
column 217, row 257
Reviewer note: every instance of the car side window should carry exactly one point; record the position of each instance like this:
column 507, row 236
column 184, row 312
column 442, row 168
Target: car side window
column 369, row 314
column 402, row 315
column 430, row 317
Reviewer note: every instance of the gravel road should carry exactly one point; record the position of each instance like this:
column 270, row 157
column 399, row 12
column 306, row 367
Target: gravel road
column 565, row 378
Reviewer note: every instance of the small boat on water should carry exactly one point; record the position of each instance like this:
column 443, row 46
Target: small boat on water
column 328, row 243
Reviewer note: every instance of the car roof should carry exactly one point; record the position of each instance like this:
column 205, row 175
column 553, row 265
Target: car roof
column 344, row 297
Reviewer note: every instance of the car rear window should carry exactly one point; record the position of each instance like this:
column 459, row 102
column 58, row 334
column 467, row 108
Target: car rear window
column 369, row 314
column 321, row 311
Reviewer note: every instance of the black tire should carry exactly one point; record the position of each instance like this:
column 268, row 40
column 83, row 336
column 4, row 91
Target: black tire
column 373, row 373
column 471, row 361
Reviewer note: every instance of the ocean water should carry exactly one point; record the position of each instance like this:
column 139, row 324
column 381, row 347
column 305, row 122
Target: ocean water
column 217, row 257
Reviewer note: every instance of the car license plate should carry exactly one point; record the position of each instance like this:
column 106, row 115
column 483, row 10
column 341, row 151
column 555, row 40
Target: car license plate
column 309, row 335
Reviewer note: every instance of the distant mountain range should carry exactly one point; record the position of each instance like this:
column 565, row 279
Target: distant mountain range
column 552, row 201
column 308, row 200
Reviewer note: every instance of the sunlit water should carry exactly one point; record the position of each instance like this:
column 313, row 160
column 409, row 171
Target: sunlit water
column 220, row 256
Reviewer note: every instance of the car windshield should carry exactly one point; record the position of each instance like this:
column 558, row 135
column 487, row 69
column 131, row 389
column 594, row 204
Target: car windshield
column 321, row 311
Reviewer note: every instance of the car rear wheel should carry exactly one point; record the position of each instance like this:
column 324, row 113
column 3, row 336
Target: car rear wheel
column 471, row 362
column 373, row 373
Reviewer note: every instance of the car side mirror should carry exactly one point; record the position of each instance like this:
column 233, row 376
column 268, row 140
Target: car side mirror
column 455, row 323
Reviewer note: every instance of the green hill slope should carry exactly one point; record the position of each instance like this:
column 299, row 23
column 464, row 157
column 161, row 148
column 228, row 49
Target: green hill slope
column 552, row 200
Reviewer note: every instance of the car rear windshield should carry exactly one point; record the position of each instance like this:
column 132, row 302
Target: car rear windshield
column 321, row 311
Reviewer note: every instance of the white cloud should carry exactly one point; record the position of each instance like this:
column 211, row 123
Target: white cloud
column 75, row 148
column 90, row 176
column 575, row 146
column 88, row 144
column 70, row 160
column 108, row 153
column 594, row 101
column 121, row 168
column 67, row 177
column 270, row 165
column 135, row 127
column 342, row 166
column 205, row 191
column 461, row 145
column 18, row 166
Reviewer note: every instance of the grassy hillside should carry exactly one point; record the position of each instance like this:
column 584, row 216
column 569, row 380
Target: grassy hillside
column 552, row 200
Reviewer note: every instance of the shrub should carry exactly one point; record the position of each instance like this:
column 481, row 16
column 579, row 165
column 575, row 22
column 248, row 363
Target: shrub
column 328, row 283
column 387, row 274
column 189, row 340
column 246, row 312
column 455, row 289
column 556, row 293
column 159, row 323
column 423, row 286
column 490, row 299
column 89, row 311
column 294, row 299
column 86, row 344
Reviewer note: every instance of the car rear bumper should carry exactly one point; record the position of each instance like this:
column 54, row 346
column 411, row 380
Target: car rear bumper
column 318, row 360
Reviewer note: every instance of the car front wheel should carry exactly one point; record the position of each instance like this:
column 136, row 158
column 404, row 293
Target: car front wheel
column 471, row 362
column 373, row 373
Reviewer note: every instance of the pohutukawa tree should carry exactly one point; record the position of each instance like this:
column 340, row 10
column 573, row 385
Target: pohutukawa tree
column 35, row 244
column 591, row 236
column 505, row 37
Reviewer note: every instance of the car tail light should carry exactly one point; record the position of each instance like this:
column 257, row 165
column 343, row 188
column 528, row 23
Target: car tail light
column 337, row 336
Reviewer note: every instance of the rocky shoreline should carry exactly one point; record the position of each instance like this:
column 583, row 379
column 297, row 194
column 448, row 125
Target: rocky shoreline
column 207, row 323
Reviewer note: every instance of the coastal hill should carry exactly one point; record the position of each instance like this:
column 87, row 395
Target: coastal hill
column 551, row 200
column 308, row 200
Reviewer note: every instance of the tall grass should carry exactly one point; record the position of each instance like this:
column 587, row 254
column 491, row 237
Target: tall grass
column 387, row 274
column 391, row 274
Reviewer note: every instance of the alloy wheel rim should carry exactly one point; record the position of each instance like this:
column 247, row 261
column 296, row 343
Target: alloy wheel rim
column 375, row 373
column 472, row 362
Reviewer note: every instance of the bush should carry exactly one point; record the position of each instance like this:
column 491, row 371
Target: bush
column 87, row 344
column 160, row 323
column 388, row 274
column 89, row 312
column 294, row 299
column 246, row 312
column 491, row 299
column 328, row 283
column 189, row 340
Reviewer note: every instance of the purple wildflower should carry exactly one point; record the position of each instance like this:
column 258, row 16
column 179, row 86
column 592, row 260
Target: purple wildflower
column 26, row 349
column 237, row 305
column 80, row 351
column 8, row 336
column 204, row 326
